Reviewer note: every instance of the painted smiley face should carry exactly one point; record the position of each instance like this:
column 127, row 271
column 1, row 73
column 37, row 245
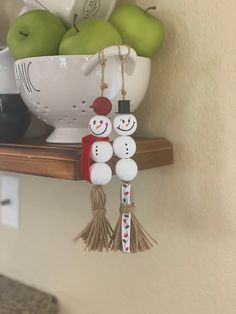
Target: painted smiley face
column 125, row 124
column 100, row 126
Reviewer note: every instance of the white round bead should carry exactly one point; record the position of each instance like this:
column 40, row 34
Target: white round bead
column 126, row 169
column 101, row 151
column 100, row 173
column 100, row 126
column 125, row 124
column 124, row 147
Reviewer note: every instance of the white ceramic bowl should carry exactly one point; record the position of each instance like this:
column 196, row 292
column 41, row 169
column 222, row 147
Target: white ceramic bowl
column 61, row 89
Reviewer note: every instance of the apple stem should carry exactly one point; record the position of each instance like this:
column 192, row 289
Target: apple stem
column 150, row 8
column 23, row 33
column 74, row 22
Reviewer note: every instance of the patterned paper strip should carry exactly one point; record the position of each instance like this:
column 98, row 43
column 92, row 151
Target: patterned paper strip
column 126, row 218
column 126, row 194
column 126, row 222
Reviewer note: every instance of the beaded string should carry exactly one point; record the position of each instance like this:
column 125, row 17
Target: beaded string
column 123, row 60
column 102, row 61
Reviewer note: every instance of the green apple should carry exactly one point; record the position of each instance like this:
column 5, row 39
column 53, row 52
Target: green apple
column 88, row 37
column 35, row 33
column 139, row 29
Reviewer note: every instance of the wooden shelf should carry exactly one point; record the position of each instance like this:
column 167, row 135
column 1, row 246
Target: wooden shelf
column 63, row 160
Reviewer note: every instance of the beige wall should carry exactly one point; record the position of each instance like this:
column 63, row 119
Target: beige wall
column 189, row 207
column 8, row 11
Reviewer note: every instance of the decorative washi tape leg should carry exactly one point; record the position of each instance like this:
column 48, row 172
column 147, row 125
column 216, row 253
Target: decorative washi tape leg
column 126, row 217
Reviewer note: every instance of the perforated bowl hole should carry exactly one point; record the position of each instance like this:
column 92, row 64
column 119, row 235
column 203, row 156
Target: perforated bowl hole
column 37, row 106
column 83, row 104
column 67, row 119
column 45, row 110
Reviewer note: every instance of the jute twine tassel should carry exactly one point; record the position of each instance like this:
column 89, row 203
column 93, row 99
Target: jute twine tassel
column 98, row 233
column 140, row 239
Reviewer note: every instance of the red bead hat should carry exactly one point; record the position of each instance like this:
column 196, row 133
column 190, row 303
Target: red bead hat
column 102, row 106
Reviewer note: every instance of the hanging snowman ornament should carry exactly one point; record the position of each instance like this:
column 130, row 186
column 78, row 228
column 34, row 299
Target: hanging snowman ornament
column 96, row 152
column 101, row 151
column 129, row 235
column 96, row 146
column 124, row 146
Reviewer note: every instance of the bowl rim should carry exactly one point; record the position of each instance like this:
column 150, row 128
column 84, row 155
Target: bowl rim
column 67, row 57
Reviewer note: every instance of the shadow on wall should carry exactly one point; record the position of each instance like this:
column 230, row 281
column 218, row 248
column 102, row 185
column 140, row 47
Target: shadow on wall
column 183, row 104
column 160, row 110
